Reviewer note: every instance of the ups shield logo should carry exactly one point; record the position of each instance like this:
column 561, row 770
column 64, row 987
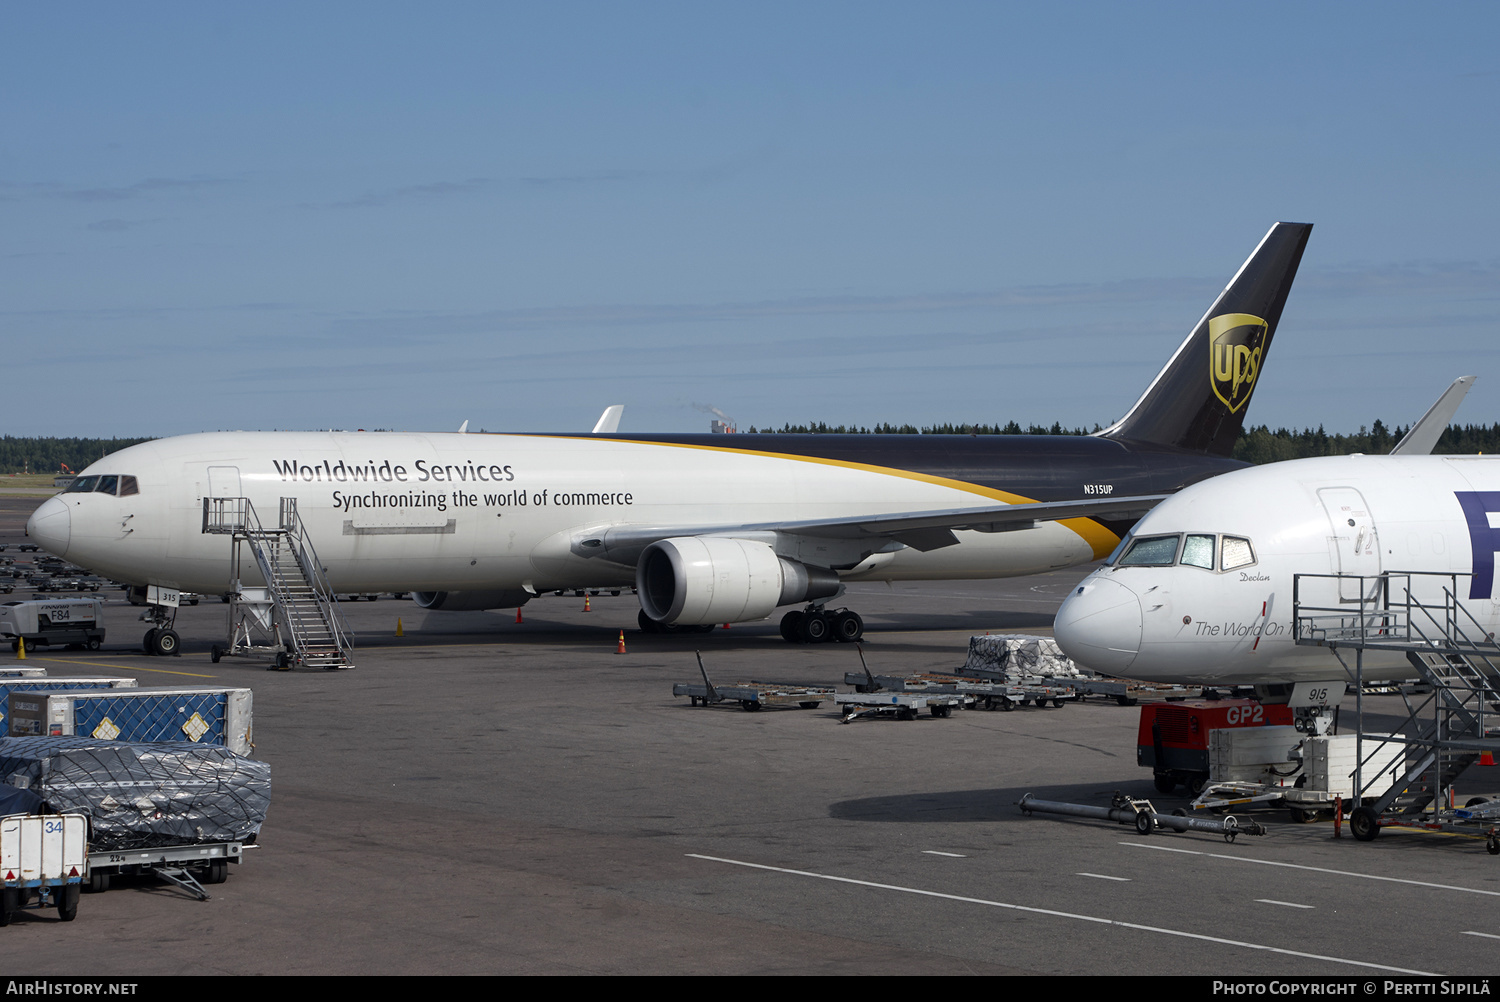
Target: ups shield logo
column 1236, row 343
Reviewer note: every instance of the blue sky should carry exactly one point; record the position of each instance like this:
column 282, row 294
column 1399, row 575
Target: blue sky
column 403, row 216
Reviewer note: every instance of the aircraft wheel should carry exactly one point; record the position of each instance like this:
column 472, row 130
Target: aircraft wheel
column 1364, row 824
column 791, row 627
column 848, row 627
column 148, row 642
column 815, row 628
column 167, row 643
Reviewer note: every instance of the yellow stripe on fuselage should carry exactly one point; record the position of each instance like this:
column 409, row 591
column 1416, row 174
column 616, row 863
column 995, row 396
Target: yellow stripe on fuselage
column 1100, row 539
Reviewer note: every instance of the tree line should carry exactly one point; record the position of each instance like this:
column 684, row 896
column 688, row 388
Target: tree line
column 1258, row 444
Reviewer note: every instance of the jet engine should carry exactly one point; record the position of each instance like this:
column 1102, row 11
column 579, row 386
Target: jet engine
column 698, row 580
column 467, row 601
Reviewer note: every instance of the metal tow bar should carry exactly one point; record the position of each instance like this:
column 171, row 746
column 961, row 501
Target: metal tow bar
column 1129, row 811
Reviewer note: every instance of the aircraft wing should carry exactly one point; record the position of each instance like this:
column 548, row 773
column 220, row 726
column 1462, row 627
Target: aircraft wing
column 921, row 530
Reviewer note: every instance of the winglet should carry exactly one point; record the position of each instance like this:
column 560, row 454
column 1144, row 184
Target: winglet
column 1424, row 435
column 463, row 429
column 609, row 421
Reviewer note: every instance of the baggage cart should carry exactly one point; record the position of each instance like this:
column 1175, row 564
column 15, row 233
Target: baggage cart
column 186, row 866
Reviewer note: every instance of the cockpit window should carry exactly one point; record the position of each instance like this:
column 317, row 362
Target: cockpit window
column 1109, row 561
column 1236, row 553
column 128, row 486
column 1156, row 551
column 82, row 485
column 1198, row 551
column 108, row 485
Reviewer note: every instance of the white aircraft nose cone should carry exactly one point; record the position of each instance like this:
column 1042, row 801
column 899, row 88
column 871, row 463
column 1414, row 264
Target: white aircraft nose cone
column 51, row 526
column 1099, row 625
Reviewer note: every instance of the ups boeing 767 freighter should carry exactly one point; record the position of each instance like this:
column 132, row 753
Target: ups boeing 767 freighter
column 708, row 528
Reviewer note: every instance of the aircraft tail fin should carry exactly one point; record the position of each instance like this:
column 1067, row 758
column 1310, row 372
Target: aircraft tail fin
column 1423, row 436
column 1199, row 400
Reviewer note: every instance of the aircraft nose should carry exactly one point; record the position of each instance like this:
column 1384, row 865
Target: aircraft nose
column 1099, row 625
column 51, row 526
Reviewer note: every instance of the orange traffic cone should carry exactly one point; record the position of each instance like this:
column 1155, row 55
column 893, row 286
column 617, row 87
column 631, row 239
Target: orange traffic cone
column 518, row 613
column 21, row 647
column 621, row 648
column 399, row 632
column 1486, row 758
column 586, row 602
column 726, row 626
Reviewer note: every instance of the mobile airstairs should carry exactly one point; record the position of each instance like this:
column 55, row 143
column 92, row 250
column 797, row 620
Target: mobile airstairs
column 1453, row 715
column 295, row 618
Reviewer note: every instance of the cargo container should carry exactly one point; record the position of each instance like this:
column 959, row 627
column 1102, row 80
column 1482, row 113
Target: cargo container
column 51, row 684
column 1173, row 738
column 209, row 716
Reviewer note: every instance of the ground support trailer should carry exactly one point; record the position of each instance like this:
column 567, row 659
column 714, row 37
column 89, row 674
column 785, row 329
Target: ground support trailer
column 187, row 866
column 751, row 696
column 70, row 622
column 754, row 695
column 43, row 859
column 901, row 705
column 988, row 694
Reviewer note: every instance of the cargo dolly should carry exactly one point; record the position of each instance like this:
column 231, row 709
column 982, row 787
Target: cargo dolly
column 187, row 866
column 901, row 705
column 1126, row 692
column 987, row 694
column 751, row 696
column 45, row 856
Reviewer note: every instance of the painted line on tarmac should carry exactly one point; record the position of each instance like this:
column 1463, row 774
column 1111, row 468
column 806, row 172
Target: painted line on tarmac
column 951, row 855
column 1284, row 904
column 1066, row 915
column 1486, row 935
column 102, row 664
column 1319, row 869
column 1102, row 876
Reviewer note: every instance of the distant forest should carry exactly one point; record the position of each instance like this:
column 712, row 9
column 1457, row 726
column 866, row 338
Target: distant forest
column 1256, row 445
column 49, row 455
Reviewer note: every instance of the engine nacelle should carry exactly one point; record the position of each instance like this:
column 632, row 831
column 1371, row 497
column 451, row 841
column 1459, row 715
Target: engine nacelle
column 468, row 601
column 697, row 580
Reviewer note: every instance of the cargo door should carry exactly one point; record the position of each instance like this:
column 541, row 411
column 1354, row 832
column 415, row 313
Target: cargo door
column 1353, row 541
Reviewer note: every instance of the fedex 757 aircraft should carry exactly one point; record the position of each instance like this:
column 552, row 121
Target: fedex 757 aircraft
column 709, row 528
column 1201, row 589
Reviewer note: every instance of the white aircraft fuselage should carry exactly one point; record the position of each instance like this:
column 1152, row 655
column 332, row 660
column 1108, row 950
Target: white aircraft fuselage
column 480, row 512
column 1201, row 590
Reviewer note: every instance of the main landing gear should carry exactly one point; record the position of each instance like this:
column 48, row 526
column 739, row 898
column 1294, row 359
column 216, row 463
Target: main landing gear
column 817, row 626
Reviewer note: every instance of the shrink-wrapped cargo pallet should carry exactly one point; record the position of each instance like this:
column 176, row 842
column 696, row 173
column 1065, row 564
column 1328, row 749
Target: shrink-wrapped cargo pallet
column 140, row 795
column 1019, row 655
